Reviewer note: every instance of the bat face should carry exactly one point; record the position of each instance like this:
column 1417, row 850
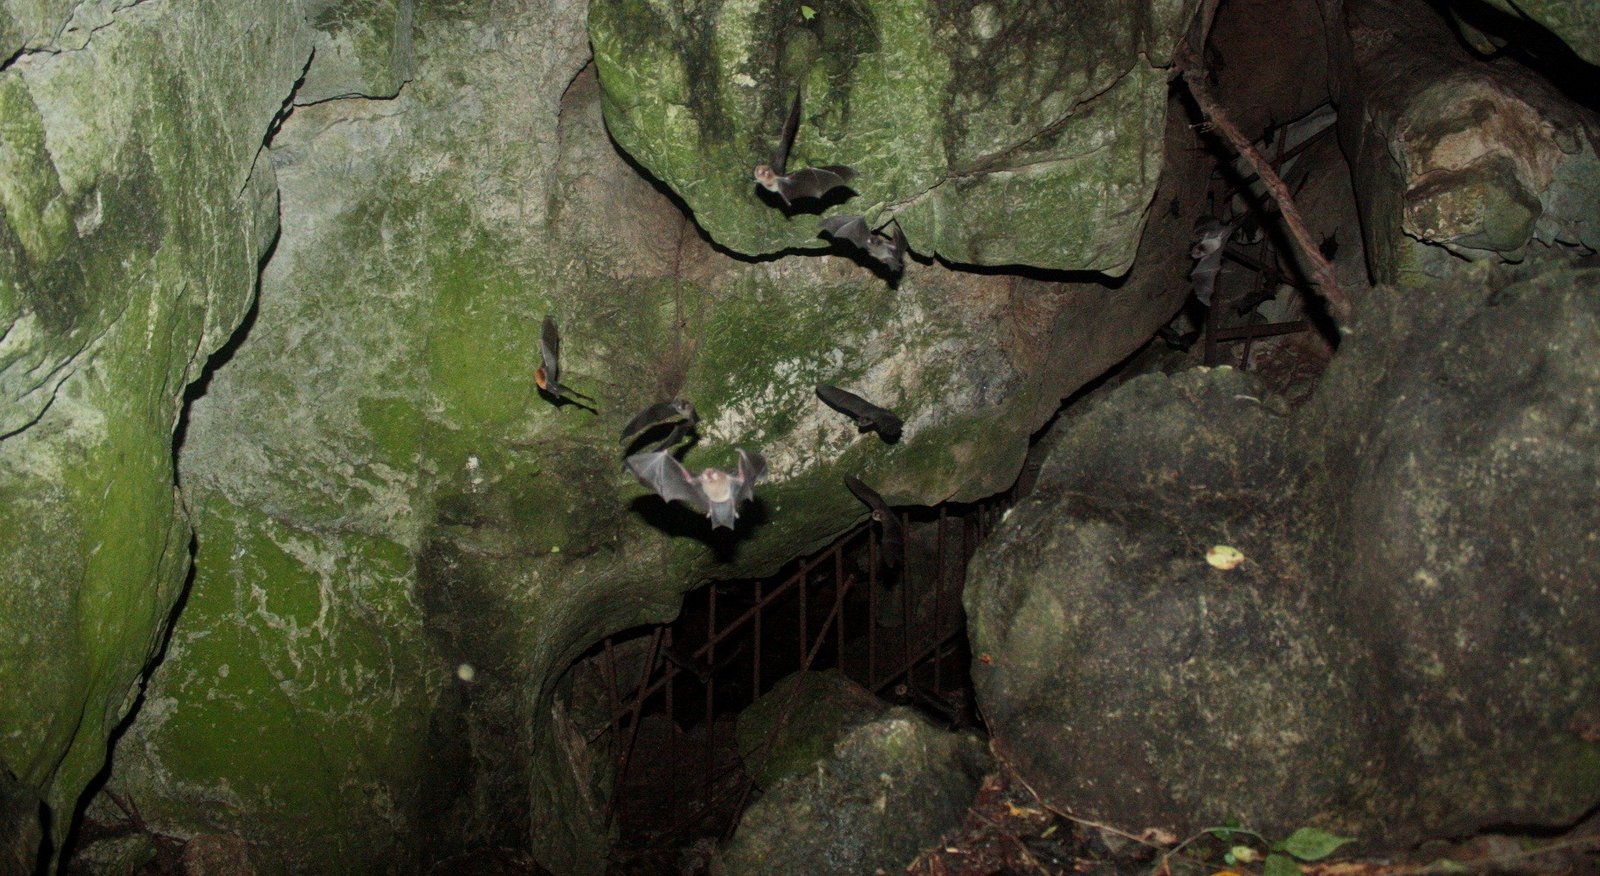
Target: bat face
column 810, row 182
column 813, row 182
column 888, row 521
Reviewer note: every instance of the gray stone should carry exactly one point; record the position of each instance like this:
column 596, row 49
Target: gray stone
column 133, row 218
column 888, row 789
column 1409, row 647
column 1456, row 158
column 797, row 723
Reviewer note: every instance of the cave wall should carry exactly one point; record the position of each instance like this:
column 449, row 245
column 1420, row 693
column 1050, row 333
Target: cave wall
column 383, row 506
column 370, row 496
column 134, row 218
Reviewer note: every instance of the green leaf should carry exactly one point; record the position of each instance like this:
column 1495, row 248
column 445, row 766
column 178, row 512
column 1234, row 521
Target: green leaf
column 807, row 12
column 1310, row 844
column 1280, row 865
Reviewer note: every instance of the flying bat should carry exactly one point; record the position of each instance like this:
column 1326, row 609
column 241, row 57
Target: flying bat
column 677, row 412
column 894, row 538
column 889, row 249
column 548, row 374
column 809, row 182
column 1207, row 253
column 714, row 491
column 868, row 416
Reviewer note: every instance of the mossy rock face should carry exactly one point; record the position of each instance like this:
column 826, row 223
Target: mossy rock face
column 363, row 49
column 1409, row 648
column 997, row 133
column 797, row 722
column 133, row 217
column 379, row 426
column 885, row 790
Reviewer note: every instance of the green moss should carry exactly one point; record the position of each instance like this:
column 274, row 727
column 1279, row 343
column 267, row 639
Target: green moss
column 309, row 667
column 1007, row 148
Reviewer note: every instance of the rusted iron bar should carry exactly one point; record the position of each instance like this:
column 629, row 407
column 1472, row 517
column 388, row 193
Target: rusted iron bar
column 872, row 607
column 1268, row 330
column 633, row 732
column 905, row 671
column 788, row 706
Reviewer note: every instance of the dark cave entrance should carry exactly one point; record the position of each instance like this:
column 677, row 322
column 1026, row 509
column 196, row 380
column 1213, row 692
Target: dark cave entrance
column 673, row 692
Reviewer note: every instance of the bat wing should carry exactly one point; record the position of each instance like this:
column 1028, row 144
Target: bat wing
column 843, row 401
column 1205, row 273
column 865, row 412
column 814, row 182
column 888, row 521
column 899, row 246
column 852, row 229
column 867, row 415
column 791, row 126
column 550, row 350
column 659, row 471
column 752, row 468
column 655, row 415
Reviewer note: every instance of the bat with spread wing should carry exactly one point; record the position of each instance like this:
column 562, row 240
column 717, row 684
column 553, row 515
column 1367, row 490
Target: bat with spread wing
column 677, row 413
column 548, row 374
column 867, row 415
column 715, row 492
column 1207, row 252
column 890, row 249
column 808, row 182
column 894, row 537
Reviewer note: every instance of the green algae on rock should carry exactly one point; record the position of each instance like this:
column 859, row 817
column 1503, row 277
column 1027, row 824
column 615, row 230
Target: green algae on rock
column 135, row 217
column 940, row 108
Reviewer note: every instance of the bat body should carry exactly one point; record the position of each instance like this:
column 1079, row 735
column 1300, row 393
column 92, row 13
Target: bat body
column 808, row 182
column 715, row 492
column 886, row 248
column 677, row 412
column 1213, row 236
column 548, row 374
column 894, row 538
column 868, row 416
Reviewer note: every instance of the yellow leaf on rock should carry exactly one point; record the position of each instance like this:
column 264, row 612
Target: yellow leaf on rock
column 1224, row 557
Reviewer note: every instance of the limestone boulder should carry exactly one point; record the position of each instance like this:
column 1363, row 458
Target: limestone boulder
column 1454, row 157
column 1408, row 646
column 886, row 790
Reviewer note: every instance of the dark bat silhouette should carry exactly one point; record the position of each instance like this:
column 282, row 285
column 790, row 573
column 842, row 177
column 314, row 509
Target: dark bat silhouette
column 1207, row 252
column 889, row 249
column 809, row 182
column 894, row 537
column 1175, row 340
column 867, row 415
column 548, row 374
column 679, row 413
column 714, row 491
